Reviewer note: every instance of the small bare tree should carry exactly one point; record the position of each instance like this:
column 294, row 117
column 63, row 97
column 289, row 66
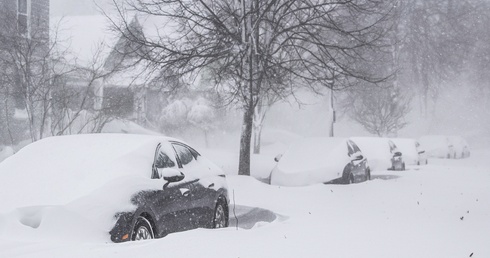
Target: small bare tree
column 381, row 111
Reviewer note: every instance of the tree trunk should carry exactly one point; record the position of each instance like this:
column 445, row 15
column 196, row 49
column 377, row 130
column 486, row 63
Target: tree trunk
column 245, row 140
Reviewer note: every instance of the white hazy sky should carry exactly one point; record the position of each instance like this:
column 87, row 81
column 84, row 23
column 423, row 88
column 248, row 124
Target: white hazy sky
column 76, row 7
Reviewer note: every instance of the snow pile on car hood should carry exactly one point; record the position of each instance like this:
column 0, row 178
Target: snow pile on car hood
column 58, row 170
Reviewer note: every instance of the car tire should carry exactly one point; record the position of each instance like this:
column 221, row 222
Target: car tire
column 220, row 217
column 368, row 174
column 426, row 162
column 403, row 166
column 418, row 163
column 142, row 230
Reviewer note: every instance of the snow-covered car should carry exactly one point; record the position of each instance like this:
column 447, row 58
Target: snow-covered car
column 461, row 147
column 438, row 146
column 132, row 187
column 382, row 153
column 412, row 152
column 320, row 160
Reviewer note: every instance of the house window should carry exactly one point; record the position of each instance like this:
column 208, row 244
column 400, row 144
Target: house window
column 23, row 12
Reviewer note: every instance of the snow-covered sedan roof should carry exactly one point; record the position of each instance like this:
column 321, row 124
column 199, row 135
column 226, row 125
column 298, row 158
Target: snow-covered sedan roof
column 57, row 170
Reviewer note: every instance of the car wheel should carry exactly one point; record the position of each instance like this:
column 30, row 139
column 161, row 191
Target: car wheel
column 403, row 166
column 220, row 219
column 142, row 230
column 426, row 162
column 368, row 174
column 418, row 163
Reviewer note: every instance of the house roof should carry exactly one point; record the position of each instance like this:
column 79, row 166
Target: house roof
column 92, row 42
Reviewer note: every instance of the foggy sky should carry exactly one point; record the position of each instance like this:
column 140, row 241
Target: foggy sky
column 76, row 7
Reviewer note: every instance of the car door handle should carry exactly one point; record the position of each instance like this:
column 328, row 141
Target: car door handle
column 185, row 192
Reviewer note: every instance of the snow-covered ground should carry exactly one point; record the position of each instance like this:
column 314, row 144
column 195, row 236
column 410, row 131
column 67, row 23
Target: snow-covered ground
column 439, row 210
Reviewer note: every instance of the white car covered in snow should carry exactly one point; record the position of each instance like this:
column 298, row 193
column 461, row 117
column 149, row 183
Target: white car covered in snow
column 461, row 147
column 128, row 187
column 382, row 153
column 320, row 160
column 438, row 146
column 413, row 154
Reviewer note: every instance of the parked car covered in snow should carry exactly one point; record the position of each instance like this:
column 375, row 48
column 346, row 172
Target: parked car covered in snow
column 382, row 153
column 133, row 187
column 461, row 147
column 438, row 146
column 413, row 154
column 320, row 160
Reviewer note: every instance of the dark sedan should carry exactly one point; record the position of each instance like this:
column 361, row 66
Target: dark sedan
column 134, row 187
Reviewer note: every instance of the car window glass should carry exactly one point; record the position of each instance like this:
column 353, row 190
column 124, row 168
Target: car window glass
column 163, row 161
column 350, row 150
column 392, row 146
column 184, row 154
column 355, row 147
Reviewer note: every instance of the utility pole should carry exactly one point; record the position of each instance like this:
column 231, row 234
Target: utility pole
column 333, row 118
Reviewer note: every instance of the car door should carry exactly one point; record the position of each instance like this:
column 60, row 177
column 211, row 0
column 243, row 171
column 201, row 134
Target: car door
column 171, row 204
column 204, row 183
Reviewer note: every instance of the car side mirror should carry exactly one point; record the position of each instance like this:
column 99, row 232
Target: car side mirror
column 171, row 175
column 397, row 154
column 421, row 152
column 278, row 157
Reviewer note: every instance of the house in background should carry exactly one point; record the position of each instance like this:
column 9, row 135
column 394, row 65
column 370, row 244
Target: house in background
column 129, row 88
column 24, row 44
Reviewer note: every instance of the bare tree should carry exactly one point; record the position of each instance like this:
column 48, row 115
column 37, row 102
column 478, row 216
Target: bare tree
column 56, row 95
column 245, row 43
column 435, row 41
column 381, row 111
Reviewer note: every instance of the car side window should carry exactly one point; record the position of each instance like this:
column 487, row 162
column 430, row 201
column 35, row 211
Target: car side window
column 350, row 150
column 392, row 146
column 185, row 155
column 162, row 160
column 355, row 147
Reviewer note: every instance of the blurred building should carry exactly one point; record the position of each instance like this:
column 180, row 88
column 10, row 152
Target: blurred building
column 24, row 46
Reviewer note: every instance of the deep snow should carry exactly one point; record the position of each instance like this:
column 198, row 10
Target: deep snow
column 439, row 210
